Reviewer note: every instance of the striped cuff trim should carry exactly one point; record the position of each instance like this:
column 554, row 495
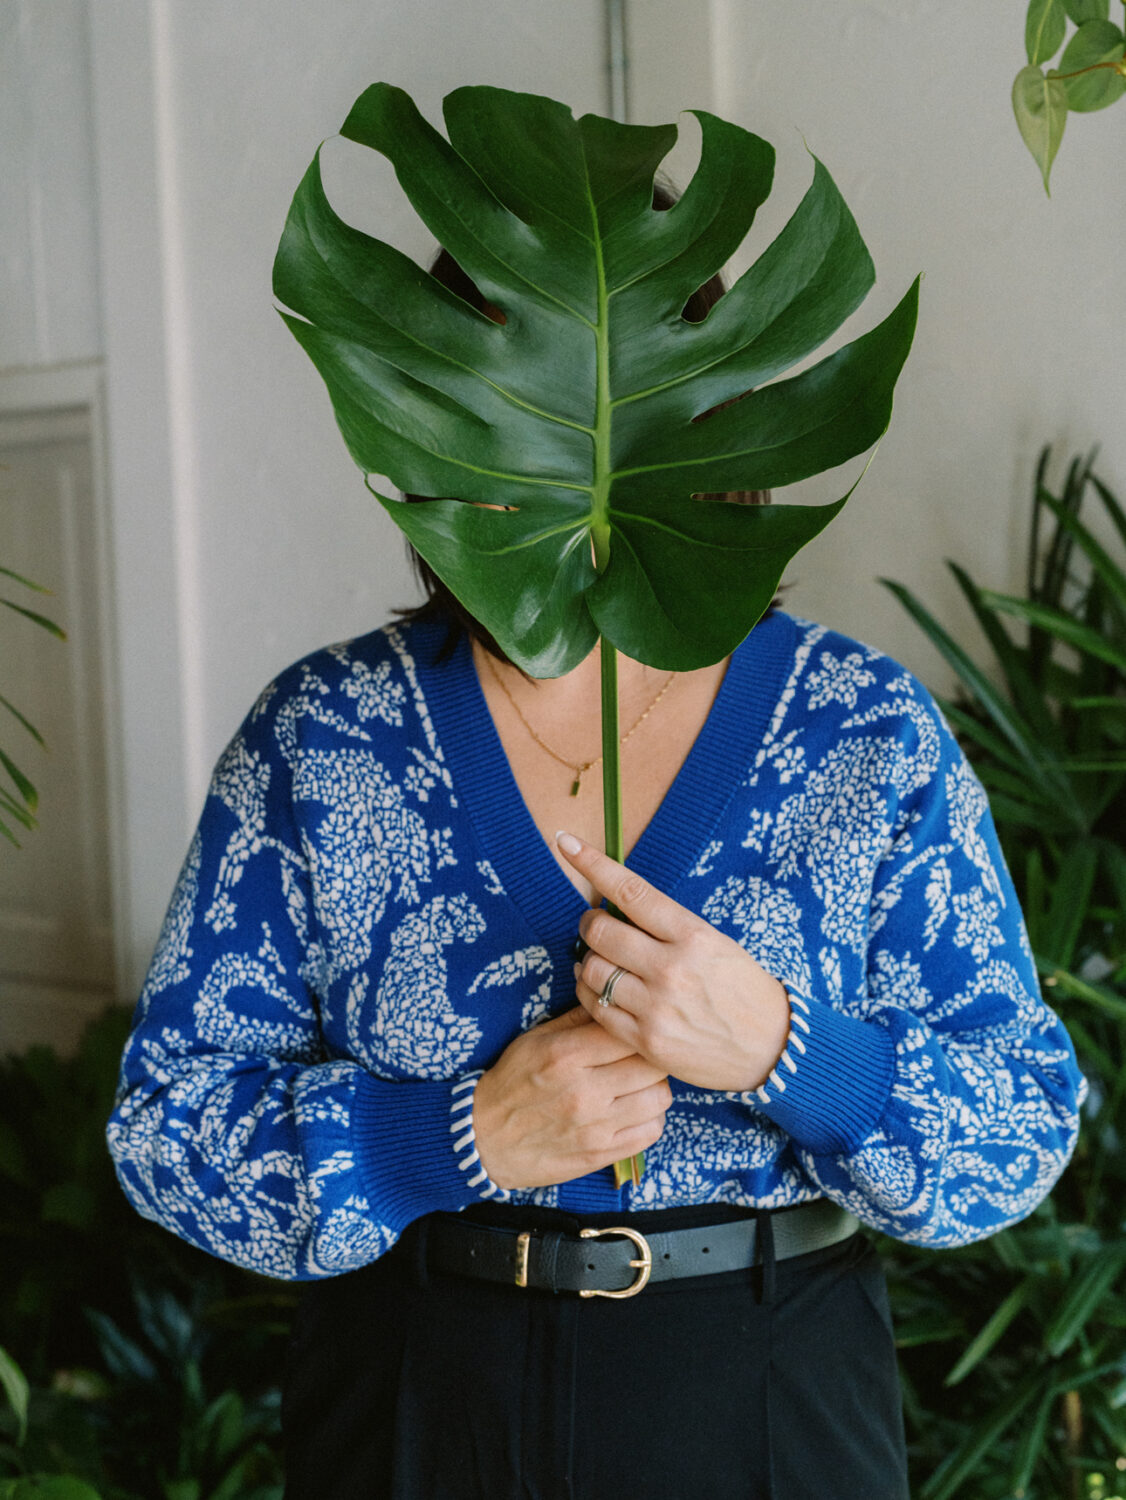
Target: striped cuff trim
column 465, row 1140
column 799, row 1011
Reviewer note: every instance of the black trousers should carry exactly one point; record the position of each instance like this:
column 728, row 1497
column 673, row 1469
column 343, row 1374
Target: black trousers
column 778, row 1383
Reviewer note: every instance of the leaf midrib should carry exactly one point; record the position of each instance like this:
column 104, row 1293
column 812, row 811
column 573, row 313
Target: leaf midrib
column 603, row 407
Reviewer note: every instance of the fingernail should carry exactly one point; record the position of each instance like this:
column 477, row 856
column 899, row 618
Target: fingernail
column 568, row 842
column 577, row 970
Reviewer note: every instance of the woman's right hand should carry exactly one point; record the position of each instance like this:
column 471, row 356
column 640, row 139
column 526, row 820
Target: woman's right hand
column 565, row 1099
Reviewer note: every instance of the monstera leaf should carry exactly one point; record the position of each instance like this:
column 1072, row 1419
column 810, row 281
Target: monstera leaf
column 590, row 410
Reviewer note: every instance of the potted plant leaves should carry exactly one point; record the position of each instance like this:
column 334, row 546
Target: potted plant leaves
column 579, row 411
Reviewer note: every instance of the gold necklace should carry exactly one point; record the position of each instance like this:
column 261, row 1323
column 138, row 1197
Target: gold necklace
column 580, row 768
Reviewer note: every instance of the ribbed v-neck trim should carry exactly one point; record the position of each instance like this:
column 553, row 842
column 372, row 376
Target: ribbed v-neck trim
column 679, row 831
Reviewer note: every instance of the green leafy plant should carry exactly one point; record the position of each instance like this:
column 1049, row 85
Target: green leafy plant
column 576, row 441
column 151, row 1425
column 1091, row 72
column 212, row 1446
column 20, row 800
column 1014, row 1350
column 13, row 1382
column 137, row 1364
column 47, row 1487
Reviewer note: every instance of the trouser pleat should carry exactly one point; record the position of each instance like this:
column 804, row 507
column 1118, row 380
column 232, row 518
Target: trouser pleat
column 781, row 1381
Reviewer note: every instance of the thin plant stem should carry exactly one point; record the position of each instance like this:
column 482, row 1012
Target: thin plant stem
column 631, row 1169
column 611, row 761
column 1090, row 68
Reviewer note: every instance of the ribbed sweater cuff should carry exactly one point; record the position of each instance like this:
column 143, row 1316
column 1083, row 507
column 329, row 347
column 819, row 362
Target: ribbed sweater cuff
column 832, row 1082
column 415, row 1149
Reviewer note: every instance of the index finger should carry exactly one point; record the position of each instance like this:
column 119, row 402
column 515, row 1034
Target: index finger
column 644, row 905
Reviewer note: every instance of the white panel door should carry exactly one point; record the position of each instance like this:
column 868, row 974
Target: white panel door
column 56, row 965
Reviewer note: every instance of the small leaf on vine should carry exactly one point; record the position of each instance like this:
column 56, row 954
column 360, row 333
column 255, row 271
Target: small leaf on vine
column 1044, row 29
column 1095, row 42
column 1087, row 10
column 1040, row 106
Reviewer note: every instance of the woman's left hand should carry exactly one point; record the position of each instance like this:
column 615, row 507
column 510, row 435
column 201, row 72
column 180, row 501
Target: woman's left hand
column 691, row 1000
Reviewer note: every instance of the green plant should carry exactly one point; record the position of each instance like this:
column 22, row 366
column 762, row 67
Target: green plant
column 1091, row 72
column 65, row 1227
column 147, row 1369
column 199, row 1445
column 47, row 1487
column 1030, row 1326
column 19, row 1454
column 20, row 800
column 15, row 1388
column 152, row 1424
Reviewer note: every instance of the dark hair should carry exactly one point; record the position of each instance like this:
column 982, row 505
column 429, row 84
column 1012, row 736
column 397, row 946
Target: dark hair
column 441, row 602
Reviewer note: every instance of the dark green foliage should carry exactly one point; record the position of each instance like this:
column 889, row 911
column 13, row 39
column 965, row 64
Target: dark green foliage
column 1014, row 1350
column 580, row 409
column 153, row 1367
column 19, row 800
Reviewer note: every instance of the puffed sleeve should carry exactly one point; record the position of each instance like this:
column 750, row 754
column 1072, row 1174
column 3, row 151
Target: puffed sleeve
column 232, row 1126
column 941, row 1104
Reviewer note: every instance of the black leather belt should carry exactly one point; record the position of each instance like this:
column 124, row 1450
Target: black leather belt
column 618, row 1262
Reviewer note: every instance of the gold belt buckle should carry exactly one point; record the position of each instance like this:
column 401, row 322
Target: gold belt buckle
column 643, row 1267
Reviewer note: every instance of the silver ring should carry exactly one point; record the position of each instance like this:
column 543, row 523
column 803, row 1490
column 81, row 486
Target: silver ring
column 607, row 995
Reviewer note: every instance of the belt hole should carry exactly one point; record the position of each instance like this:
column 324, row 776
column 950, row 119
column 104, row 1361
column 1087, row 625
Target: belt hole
column 667, row 1256
column 705, row 1250
column 590, row 1265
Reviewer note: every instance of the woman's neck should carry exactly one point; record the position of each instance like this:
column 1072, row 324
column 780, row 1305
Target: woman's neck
column 571, row 706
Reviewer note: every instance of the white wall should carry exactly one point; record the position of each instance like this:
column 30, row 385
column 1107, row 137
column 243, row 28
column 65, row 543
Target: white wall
column 49, row 310
column 56, row 948
column 1024, row 302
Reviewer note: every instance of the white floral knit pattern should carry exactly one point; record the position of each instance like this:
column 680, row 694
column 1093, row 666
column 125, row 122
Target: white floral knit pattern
column 353, row 938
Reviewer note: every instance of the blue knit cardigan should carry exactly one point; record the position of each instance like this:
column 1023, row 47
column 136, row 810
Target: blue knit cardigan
column 367, row 915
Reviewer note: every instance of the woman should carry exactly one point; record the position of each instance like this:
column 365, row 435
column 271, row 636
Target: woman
column 390, row 1046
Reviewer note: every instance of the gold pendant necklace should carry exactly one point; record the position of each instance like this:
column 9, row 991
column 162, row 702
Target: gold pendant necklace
column 580, row 768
